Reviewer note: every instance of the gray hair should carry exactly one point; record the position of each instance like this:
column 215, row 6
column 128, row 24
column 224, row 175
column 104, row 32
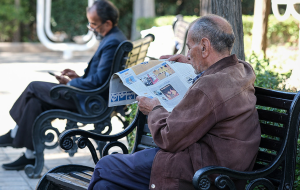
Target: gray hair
column 217, row 34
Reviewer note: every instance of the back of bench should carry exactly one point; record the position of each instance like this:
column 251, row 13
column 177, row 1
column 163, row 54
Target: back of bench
column 180, row 28
column 129, row 53
column 278, row 116
column 139, row 51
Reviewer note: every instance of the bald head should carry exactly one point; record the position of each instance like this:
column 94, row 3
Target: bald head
column 216, row 29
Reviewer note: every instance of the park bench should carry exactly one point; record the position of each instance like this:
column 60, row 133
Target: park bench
column 180, row 29
column 274, row 168
column 97, row 112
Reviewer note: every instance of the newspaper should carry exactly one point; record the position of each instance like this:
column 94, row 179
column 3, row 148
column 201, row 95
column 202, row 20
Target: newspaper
column 166, row 80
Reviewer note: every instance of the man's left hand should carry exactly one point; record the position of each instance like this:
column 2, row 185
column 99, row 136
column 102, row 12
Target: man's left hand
column 146, row 105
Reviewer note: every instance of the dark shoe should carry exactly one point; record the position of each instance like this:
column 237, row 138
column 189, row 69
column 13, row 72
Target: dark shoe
column 6, row 140
column 19, row 164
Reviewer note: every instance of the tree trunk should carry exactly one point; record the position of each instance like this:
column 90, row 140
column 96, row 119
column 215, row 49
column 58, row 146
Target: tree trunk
column 232, row 11
column 262, row 10
column 17, row 33
column 141, row 8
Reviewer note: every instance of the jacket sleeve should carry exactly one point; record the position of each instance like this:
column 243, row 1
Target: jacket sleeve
column 189, row 121
column 103, row 69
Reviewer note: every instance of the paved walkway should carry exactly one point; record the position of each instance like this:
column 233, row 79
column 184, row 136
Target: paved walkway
column 17, row 70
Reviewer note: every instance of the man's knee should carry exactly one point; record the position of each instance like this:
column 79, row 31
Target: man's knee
column 105, row 162
column 32, row 84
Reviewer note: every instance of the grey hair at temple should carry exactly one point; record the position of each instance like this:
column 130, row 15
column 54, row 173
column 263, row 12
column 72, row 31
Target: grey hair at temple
column 220, row 35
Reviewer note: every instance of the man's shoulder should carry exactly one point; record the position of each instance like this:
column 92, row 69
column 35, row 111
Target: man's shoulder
column 116, row 36
column 228, row 82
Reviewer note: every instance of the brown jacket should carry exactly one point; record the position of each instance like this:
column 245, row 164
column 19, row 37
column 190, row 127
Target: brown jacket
column 216, row 123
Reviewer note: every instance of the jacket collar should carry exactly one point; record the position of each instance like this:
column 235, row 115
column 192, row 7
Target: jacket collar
column 221, row 64
column 113, row 30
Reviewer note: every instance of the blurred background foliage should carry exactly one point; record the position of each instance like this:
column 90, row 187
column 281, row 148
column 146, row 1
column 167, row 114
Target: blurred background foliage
column 69, row 16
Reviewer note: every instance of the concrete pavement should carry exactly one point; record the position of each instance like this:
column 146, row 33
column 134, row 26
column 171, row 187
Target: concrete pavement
column 17, row 70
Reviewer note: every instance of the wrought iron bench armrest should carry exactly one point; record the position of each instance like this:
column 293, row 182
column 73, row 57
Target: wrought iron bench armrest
column 202, row 182
column 70, row 92
column 66, row 142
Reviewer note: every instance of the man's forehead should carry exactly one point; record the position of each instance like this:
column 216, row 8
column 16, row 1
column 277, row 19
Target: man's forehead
column 189, row 40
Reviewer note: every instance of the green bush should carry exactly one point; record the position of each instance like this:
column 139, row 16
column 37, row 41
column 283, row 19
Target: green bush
column 267, row 76
column 9, row 17
column 70, row 17
column 278, row 33
column 129, row 118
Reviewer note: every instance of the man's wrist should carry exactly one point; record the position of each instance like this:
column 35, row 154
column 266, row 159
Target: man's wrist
column 157, row 107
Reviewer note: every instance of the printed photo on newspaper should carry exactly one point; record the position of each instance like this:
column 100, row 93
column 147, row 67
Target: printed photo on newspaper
column 166, row 80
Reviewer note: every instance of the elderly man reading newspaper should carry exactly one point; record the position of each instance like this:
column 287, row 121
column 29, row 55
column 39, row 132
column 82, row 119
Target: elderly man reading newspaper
column 216, row 122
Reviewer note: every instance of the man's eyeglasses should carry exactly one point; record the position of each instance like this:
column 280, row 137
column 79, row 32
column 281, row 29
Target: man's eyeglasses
column 92, row 29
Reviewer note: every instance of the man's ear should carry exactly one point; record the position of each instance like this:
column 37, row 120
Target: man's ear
column 109, row 23
column 205, row 43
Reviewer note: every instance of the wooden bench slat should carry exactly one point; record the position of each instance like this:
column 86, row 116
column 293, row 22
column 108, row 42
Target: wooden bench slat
column 142, row 147
column 270, row 144
column 272, row 116
column 67, row 181
column 90, row 173
column 146, row 140
column 146, row 128
column 82, row 176
column 265, row 157
column 272, row 130
column 273, row 102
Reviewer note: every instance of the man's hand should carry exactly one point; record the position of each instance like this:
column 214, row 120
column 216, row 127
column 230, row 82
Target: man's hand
column 179, row 58
column 61, row 79
column 70, row 73
column 146, row 105
column 165, row 56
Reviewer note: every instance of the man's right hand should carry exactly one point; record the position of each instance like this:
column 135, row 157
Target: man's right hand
column 70, row 73
column 178, row 58
column 61, row 79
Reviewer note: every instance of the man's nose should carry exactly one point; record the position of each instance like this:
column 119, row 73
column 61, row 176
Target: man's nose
column 188, row 55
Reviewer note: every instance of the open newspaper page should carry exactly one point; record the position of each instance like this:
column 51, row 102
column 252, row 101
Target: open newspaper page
column 166, row 80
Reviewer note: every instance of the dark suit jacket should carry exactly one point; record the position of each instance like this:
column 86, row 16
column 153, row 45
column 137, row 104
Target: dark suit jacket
column 99, row 66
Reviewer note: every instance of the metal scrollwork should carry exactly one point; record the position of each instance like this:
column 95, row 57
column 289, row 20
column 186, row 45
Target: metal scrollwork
column 223, row 181
column 55, row 94
column 113, row 144
column 67, row 95
column 260, row 181
column 72, row 125
column 127, row 47
column 95, row 105
column 204, row 183
column 83, row 142
column 100, row 127
column 48, row 133
column 67, row 143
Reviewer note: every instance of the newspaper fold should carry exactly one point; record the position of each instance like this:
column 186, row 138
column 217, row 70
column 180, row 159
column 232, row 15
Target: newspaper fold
column 166, row 80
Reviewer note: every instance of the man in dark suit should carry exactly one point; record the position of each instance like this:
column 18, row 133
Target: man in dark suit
column 103, row 18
